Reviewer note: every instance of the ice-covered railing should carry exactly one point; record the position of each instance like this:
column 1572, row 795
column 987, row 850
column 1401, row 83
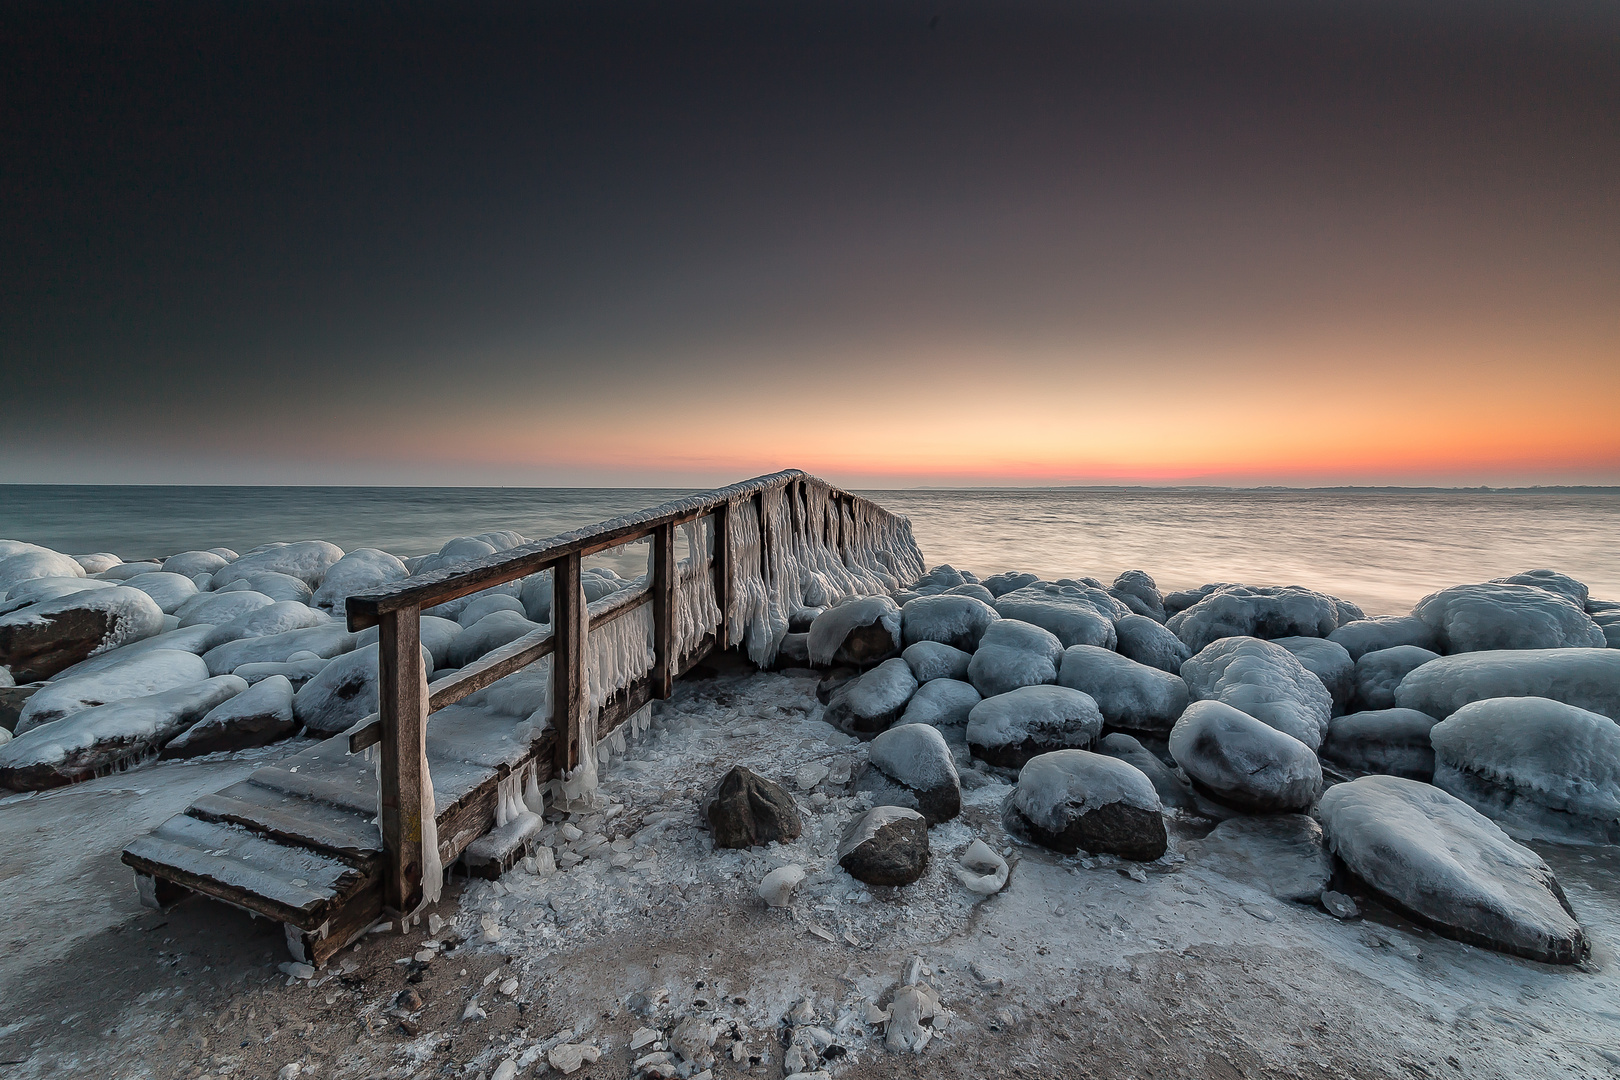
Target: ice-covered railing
column 726, row 567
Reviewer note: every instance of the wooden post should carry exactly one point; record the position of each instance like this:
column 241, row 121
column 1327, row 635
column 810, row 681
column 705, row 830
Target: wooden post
column 399, row 707
column 664, row 585
column 764, row 540
column 721, row 533
column 568, row 684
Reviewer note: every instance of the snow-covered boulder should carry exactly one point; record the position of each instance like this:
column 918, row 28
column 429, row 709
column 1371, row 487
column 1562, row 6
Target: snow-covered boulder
column 270, row 619
column 188, row 564
column 488, row 604
column 1013, row 654
column 141, row 676
column 1380, row 672
column 344, row 692
column 278, row 587
column 888, row 845
column 1001, row 584
column 48, row 637
column 109, row 737
column 1182, row 599
column 1075, row 615
column 1473, row 618
column 1541, row 768
column 1438, row 859
column 868, row 704
column 1585, row 678
column 359, row 571
column 307, row 560
column 1264, row 680
column 38, row 590
column 1554, row 582
column 94, row 563
column 325, row 641
column 1173, row 789
column 912, row 767
column 1237, row 760
column 937, row 580
column 1009, row 729
column 1284, row 854
column 1363, row 636
column 973, row 589
column 859, row 632
column 1147, row 642
column 944, row 704
column 258, row 716
column 746, row 810
column 1329, row 662
column 955, row 620
column 126, row 570
column 1074, row 800
column 1260, row 611
column 932, row 660
column 486, row 635
column 1390, row 742
column 296, row 672
column 39, row 563
column 220, row 609
column 1137, row 590
column 1131, row 696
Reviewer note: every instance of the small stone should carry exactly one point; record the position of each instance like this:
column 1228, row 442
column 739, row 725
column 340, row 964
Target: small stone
column 568, row 1057
column 425, row 956
column 745, row 810
column 297, row 970
column 506, row 1070
column 982, row 871
column 887, row 846
column 1263, row 914
column 694, row 1039
column 910, row 1024
column 1339, row 905
column 777, row 888
column 509, row 988
column 473, row 1011
column 409, row 1000
column 802, row 1012
column 435, row 924
column 1135, row 873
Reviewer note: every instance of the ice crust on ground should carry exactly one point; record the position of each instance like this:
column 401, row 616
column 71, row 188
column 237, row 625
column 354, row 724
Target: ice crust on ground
column 1586, row 678
column 1013, row 654
column 1243, row 762
column 1130, row 695
column 955, row 620
column 1363, row 636
column 1075, row 615
column 1264, row 680
column 1379, row 674
column 1393, row 742
column 932, row 660
column 832, row 627
column 145, row 674
column 1473, row 618
column 1284, row 854
column 358, row 571
column 1260, row 611
column 306, row 560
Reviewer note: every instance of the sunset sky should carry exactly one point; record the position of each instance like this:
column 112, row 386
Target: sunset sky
column 893, row 244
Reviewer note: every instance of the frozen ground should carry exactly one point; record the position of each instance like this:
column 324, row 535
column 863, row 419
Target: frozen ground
column 1074, row 970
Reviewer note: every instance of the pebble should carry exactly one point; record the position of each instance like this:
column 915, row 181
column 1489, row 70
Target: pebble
column 509, row 988
column 809, row 776
column 1339, row 905
column 506, row 1070
column 1263, row 914
column 297, row 970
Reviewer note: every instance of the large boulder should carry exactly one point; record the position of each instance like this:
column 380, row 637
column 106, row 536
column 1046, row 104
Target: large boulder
column 1074, row 614
column 361, row 570
column 1264, row 680
column 1559, row 584
column 266, row 621
column 746, row 810
column 38, row 563
column 1235, row 759
column 1013, row 654
column 1390, row 742
column 1260, row 611
column 1284, row 854
column 868, row 704
column 912, row 767
column 1007, row 581
column 1473, row 618
column 931, row 660
column 325, row 641
column 955, row 620
column 1585, row 678
column 307, row 560
column 169, row 590
column 1329, row 662
column 38, row 590
column 944, row 704
column 258, row 716
column 142, row 675
column 48, row 637
column 1363, row 636
column 858, row 632
column 1439, row 860
column 343, row 693
column 1147, row 642
column 1379, row 673
column 278, row 587
column 1131, row 696
column 1138, row 591
column 486, row 635
column 188, row 564
column 1074, row 800
column 488, row 604
column 1541, row 768
column 888, row 845
column 108, row 737
column 1009, row 729
column 220, row 609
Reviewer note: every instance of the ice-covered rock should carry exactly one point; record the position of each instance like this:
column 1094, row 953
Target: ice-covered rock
column 870, row 703
column 267, row 621
column 973, row 589
column 324, row 641
column 1554, row 582
column 258, row 716
column 140, row 676
column 746, row 810
column 277, row 587
column 1010, row 729
column 94, row 563
column 220, row 609
column 955, row 620
column 296, row 672
column 108, row 737
column 1264, row 680
column 126, row 570
column 1009, row 581
column 46, row 638
column 1173, row 788
column 1182, row 599
column 1130, row 695
column 919, row 771
column 38, row 590
column 38, row 563
column 344, row 692
column 535, row 593
column 359, row 571
column 1074, row 614
column 859, row 632
column 306, row 560
column 1329, row 662
column 1363, row 636
column 888, row 845
column 1013, row 654
column 1473, row 618
column 1585, row 678
column 436, row 635
column 943, row 703
column 1380, row 672
column 1390, row 742
column 189, row 564
column 1073, row 800
column 487, row 604
column 931, row 660
column 190, row 639
column 778, row 886
column 486, row 635
column 937, row 580
column 1260, row 611
column 1284, row 854
column 1147, row 642
column 1541, row 768
column 1237, row 760
column 1139, row 592
column 1434, row 857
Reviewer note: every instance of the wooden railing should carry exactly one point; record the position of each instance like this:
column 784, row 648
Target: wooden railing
column 396, row 611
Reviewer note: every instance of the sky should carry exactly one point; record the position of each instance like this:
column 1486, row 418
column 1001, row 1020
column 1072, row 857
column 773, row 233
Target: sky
column 891, row 243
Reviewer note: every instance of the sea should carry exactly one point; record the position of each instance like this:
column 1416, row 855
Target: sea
column 1382, row 548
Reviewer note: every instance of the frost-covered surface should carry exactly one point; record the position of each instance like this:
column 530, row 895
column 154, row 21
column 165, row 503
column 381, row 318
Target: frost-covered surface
column 344, row 692
column 189, row 564
column 1393, row 742
column 1586, row 678
column 276, row 586
column 146, row 673
column 1384, row 632
column 1262, row 611
column 1554, row 582
column 1379, row 674
column 1264, row 680
column 931, row 660
column 358, row 571
column 1074, row 614
column 1053, row 789
column 1013, row 654
column 306, row 560
column 35, row 590
column 1329, row 662
column 47, row 638
column 955, row 620
column 1243, row 762
column 1542, row 768
column 1130, row 695
column 1470, row 618
column 268, row 620
column 944, row 703
column 832, row 627
column 870, row 703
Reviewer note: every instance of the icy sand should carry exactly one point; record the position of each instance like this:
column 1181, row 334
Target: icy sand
column 1074, row 969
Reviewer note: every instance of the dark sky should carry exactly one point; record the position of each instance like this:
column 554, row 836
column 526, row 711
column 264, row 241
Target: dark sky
column 898, row 242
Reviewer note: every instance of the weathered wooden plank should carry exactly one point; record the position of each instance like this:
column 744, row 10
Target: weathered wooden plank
column 290, row 819
column 568, row 683
column 664, row 583
column 400, row 706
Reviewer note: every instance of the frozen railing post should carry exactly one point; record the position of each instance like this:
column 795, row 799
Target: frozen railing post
column 399, row 709
column 664, row 584
column 568, row 689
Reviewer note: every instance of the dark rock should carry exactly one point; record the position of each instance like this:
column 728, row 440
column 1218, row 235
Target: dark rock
column 747, row 810
column 258, row 716
column 43, row 639
column 888, row 846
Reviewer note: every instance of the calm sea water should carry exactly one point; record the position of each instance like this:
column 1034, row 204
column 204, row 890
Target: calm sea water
column 1380, row 548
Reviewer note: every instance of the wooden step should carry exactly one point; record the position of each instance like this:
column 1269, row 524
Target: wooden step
column 291, row 819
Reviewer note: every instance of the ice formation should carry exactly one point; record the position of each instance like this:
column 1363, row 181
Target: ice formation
column 219, row 609
column 1393, row 742
column 1264, row 680
column 944, row 703
column 1011, row 654
column 1586, row 678
column 191, row 563
column 1011, row 728
column 1329, row 661
column 147, row 673
column 1147, row 642
column 1261, row 611
column 1130, row 695
column 1472, row 618
column 874, row 621
column 697, row 613
column 931, row 660
column 169, row 590
column 37, row 563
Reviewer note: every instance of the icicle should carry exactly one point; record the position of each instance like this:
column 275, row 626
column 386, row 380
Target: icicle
column 432, row 868
column 532, row 798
